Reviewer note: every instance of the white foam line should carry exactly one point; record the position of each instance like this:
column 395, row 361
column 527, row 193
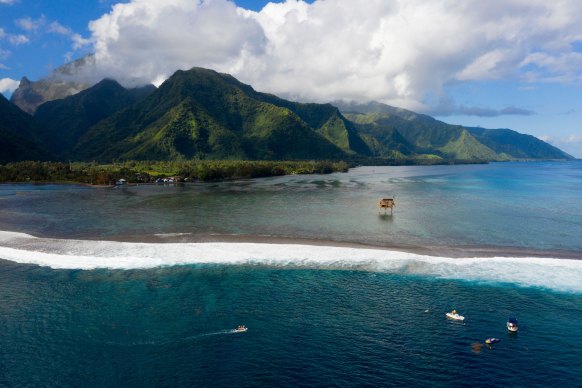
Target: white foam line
column 171, row 234
column 557, row 274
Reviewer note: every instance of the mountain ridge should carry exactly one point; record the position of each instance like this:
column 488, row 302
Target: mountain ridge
column 447, row 140
column 202, row 114
column 214, row 113
column 19, row 135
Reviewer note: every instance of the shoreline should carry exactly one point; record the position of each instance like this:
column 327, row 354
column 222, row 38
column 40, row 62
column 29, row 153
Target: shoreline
column 455, row 252
column 435, row 251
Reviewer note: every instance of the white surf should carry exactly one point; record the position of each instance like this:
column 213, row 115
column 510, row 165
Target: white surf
column 551, row 273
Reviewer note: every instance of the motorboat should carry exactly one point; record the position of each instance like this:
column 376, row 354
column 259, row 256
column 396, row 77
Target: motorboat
column 454, row 316
column 240, row 329
column 512, row 325
column 490, row 341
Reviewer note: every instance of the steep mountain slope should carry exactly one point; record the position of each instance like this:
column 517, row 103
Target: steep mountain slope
column 64, row 121
column 428, row 136
column 517, row 145
column 201, row 113
column 18, row 135
column 59, row 84
column 207, row 115
column 384, row 142
column 431, row 136
column 327, row 118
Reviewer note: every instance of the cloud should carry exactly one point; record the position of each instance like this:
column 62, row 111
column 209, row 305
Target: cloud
column 514, row 111
column 488, row 112
column 14, row 39
column 571, row 139
column 17, row 40
column 146, row 40
column 463, row 110
column 58, row 28
column 447, row 106
column 8, row 85
column 29, row 24
column 8, row 2
column 394, row 51
column 571, row 143
column 79, row 42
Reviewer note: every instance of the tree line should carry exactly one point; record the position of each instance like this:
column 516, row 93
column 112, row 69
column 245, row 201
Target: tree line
column 150, row 171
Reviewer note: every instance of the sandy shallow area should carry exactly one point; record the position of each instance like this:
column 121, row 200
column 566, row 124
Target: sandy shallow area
column 437, row 251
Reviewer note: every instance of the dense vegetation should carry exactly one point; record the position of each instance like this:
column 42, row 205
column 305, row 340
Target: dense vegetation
column 390, row 131
column 19, row 138
column 66, row 120
column 150, row 171
column 201, row 115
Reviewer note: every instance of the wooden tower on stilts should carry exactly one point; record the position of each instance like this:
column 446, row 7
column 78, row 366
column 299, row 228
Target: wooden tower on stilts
column 386, row 203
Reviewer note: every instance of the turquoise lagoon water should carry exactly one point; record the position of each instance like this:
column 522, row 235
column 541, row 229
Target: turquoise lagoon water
column 159, row 313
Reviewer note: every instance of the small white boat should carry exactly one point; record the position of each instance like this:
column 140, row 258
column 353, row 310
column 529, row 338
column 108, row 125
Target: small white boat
column 454, row 316
column 512, row 325
column 240, row 329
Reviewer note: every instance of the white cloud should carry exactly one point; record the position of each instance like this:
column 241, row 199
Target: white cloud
column 573, row 139
column 17, row 39
column 571, row 143
column 58, row 28
column 29, row 24
column 8, row 2
column 146, row 40
column 8, row 85
column 14, row 39
column 394, row 51
column 79, row 42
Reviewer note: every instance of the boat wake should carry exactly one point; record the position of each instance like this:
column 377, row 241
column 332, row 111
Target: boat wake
column 170, row 342
column 556, row 274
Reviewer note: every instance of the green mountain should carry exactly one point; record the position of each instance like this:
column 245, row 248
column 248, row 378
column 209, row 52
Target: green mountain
column 383, row 141
column 18, row 135
column 203, row 114
column 422, row 136
column 426, row 136
column 328, row 121
column 517, row 145
column 66, row 120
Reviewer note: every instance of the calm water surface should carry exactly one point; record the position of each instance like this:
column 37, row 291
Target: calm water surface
column 522, row 205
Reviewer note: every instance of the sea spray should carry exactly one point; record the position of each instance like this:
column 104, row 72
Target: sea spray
column 556, row 274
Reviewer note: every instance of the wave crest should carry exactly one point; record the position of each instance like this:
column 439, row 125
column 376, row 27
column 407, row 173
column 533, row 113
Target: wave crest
column 555, row 274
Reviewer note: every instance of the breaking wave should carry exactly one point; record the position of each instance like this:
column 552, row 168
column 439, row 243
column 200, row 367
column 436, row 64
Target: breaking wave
column 555, row 274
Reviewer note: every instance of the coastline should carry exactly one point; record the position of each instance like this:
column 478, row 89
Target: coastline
column 436, row 251
column 453, row 252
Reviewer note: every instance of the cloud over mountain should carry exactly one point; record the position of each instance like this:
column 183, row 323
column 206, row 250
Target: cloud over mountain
column 8, row 85
column 394, row 51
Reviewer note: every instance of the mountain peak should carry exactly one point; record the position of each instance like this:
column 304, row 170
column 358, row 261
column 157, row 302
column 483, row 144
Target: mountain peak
column 24, row 82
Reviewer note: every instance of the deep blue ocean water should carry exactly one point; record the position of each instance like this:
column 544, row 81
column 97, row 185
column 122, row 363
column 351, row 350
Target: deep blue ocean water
column 309, row 324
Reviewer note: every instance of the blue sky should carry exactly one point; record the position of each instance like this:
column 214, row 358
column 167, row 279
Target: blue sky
column 512, row 65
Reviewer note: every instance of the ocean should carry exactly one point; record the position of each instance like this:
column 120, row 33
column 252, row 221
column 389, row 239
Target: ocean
column 142, row 285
